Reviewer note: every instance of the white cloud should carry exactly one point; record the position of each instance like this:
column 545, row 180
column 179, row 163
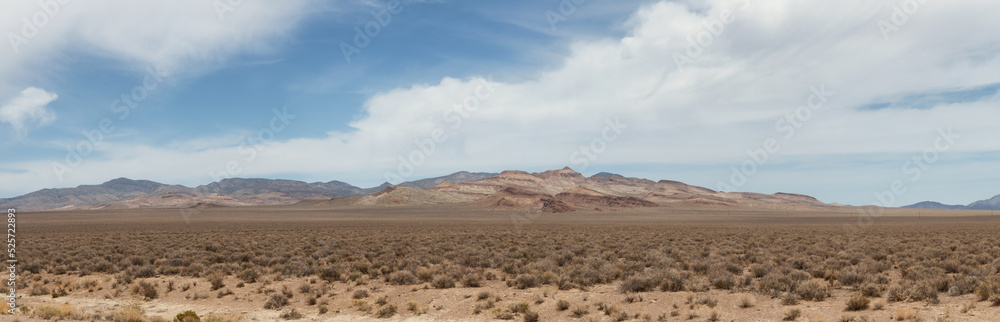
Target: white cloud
column 27, row 109
column 178, row 36
column 724, row 102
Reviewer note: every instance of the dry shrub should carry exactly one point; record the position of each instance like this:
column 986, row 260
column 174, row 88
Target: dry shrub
column 50, row 312
column 145, row 289
column 187, row 316
column 530, row 316
column 386, row 311
column 292, row 314
column 216, row 279
column 276, row 301
column 329, row 274
column 697, row 284
column 812, row 291
column 895, row 293
column 857, row 302
column 636, row 284
column 562, row 305
column 131, row 313
column 249, row 275
column 443, row 281
column 722, row 279
column 472, row 280
column 403, row 277
column 792, row 314
column 672, row 281
column 524, row 281
column 988, row 289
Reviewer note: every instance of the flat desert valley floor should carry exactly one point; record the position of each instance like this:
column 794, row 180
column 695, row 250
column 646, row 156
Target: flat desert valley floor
column 461, row 263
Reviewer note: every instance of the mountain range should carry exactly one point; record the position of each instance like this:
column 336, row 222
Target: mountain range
column 987, row 204
column 562, row 190
column 128, row 193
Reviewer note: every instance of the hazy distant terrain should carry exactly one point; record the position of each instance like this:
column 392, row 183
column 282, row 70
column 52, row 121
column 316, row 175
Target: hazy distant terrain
column 987, row 204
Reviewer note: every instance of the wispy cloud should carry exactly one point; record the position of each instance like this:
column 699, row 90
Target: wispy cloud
column 28, row 109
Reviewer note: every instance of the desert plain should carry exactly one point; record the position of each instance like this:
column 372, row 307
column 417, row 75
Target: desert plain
column 321, row 262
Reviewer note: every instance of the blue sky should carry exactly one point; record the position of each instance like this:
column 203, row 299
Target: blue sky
column 544, row 95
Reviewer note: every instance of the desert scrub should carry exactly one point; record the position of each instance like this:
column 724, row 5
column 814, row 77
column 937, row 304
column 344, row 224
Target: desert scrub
column 636, row 284
column 187, row 316
column 386, row 311
column 857, row 302
column 292, row 314
column 216, row 280
column 812, row 291
column 792, row 314
column 403, row 277
column 145, row 289
column 276, row 301
column 443, row 281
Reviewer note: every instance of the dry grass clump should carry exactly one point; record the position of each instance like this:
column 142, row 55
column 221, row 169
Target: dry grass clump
column 60, row 312
column 276, row 301
column 903, row 314
column 131, row 313
column 562, row 305
column 145, row 289
column 792, row 314
column 858, row 302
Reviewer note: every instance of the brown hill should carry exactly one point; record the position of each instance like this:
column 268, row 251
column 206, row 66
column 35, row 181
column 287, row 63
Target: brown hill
column 590, row 199
column 397, row 195
column 519, row 189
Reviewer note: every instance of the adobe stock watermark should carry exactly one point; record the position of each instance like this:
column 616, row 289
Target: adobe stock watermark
column 565, row 10
column 912, row 170
column 94, row 137
column 788, row 124
column 366, row 33
column 711, row 30
column 251, row 145
column 585, row 154
column 519, row 220
column 426, row 147
column 188, row 213
column 48, row 10
column 224, row 7
column 900, row 15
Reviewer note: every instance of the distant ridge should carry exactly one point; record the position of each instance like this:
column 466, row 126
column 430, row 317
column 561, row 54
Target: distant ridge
column 111, row 191
column 128, row 193
column 987, row 204
column 933, row 205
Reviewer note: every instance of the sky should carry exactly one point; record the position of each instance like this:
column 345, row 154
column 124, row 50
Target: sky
column 855, row 102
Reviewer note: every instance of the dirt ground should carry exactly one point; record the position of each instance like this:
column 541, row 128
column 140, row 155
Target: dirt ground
column 101, row 299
